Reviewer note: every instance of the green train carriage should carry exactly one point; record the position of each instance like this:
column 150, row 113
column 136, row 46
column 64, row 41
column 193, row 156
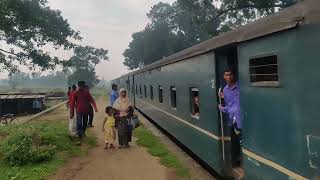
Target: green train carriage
column 276, row 61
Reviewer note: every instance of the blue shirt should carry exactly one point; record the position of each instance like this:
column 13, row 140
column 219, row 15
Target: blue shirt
column 114, row 96
column 232, row 107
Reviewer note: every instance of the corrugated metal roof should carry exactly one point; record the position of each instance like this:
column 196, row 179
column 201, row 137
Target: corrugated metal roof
column 21, row 96
column 300, row 14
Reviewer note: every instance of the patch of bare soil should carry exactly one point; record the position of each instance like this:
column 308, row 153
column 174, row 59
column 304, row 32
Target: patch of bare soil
column 133, row 163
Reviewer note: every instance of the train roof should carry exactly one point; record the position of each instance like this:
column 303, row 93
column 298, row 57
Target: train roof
column 300, row 14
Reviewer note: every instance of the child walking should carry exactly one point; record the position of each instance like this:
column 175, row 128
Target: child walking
column 108, row 127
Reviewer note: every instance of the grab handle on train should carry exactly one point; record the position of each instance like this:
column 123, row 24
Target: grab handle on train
column 221, row 125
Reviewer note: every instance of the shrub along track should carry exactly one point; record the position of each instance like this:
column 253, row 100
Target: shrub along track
column 36, row 149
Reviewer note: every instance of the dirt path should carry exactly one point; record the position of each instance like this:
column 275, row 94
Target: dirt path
column 116, row 164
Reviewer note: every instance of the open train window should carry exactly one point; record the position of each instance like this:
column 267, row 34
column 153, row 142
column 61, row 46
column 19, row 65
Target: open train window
column 160, row 94
column 145, row 91
column 173, row 97
column 194, row 101
column 151, row 92
column 264, row 71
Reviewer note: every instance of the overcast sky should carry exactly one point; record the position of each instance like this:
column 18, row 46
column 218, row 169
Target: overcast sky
column 106, row 24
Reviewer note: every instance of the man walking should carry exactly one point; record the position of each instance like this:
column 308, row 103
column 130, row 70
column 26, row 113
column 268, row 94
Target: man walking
column 231, row 95
column 81, row 100
column 91, row 113
column 114, row 94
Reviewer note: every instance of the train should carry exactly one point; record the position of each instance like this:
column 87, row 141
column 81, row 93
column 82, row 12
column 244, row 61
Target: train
column 276, row 63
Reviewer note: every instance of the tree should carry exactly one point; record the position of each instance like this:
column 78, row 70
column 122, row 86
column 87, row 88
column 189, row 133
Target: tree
column 83, row 64
column 36, row 80
column 17, row 79
column 28, row 25
column 150, row 45
column 196, row 20
column 172, row 28
column 239, row 12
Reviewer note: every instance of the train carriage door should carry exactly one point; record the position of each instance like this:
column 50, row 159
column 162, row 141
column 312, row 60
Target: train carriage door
column 133, row 92
column 226, row 58
column 130, row 88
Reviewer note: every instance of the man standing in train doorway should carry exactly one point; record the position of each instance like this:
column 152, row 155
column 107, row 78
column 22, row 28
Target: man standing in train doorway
column 231, row 96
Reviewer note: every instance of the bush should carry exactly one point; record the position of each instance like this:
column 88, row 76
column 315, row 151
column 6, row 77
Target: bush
column 25, row 147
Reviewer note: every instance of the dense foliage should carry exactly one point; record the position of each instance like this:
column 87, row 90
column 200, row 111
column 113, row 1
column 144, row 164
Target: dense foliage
column 171, row 29
column 26, row 26
column 35, row 150
column 83, row 64
column 239, row 12
column 175, row 27
column 22, row 148
column 26, row 80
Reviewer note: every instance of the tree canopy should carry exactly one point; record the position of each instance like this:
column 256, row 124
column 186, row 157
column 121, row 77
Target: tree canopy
column 26, row 26
column 83, row 64
column 236, row 13
column 174, row 27
column 171, row 29
column 26, row 80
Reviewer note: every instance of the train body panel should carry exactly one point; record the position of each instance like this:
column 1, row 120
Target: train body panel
column 197, row 74
column 199, row 143
column 278, row 73
column 274, row 115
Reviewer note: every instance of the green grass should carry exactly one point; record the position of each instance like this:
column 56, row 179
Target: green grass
column 156, row 148
column 54, row 134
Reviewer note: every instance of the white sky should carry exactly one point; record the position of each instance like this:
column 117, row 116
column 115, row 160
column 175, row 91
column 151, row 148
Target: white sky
column 106, row 24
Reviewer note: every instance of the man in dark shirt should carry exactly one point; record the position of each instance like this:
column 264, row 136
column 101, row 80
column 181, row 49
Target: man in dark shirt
column 91, row 113
column 81, row 100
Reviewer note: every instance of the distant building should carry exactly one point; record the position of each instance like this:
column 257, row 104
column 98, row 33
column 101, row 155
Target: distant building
column 21, row 103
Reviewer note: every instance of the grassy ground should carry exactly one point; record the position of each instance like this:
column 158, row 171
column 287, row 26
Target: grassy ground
column 49, row 149
column 99, row 92
column 156, row 148
column 51, row 103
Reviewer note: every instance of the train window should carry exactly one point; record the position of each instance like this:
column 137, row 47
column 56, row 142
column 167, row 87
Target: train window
column 136, row 89
column 194, row 101
column 173, row 96
column 145, row 91
column 160, row 94
column 264, row 71
column 140, row 90
column 151, row 92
